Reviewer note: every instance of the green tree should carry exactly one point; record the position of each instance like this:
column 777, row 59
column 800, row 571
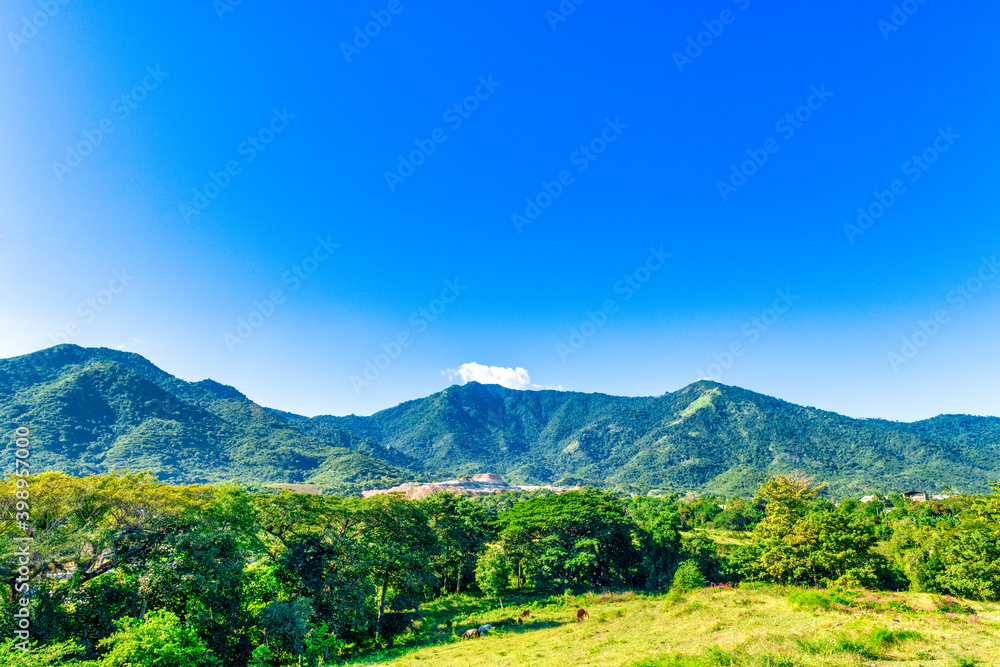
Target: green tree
column 573, row 539
column 806, row 540
column 658, row 534
column 462, row 528
column 970, row 565
column 688, row 577
column 331, row 571
column 400, row 545
column 286, row 625
column 493, row 572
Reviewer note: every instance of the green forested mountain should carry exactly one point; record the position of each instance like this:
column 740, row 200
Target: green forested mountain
column 707, row 436
column 97, row 410
column 94, row 410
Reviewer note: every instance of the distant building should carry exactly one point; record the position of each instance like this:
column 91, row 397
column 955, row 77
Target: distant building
column 915, row 496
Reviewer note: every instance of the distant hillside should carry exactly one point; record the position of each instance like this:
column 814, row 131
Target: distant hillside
column 707, row 436
column 95, row 410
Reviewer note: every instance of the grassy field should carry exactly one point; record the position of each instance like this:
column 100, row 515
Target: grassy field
column 762, row 626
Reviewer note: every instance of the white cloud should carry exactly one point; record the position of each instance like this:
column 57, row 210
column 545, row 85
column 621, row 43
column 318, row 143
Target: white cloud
column 512, row 378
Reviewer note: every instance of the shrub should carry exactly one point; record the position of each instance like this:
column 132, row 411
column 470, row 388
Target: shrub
column 949, row 604
column 688, row 577
column 41, row 656
column 965, row 662
column 858, row 647
column 886, row 638
column 160, row 638
column 810, row 600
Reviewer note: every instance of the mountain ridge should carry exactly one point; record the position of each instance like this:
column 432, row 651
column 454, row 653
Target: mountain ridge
column 97, row 409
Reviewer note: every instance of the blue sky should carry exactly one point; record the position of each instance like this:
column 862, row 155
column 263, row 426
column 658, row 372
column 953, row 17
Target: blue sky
column 599, row 197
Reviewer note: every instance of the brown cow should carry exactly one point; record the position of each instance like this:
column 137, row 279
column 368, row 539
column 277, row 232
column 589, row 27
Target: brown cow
column 472, row 633
column 580, row 613
column 525, row 614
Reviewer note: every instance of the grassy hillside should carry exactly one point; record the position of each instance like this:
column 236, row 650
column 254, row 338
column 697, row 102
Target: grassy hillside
column 752, row 627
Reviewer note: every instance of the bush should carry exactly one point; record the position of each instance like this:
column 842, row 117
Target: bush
column 41, row 656
column 688, row 577
column 810, row 600
column 949, row 604
column 160, row 638
column 886, row 638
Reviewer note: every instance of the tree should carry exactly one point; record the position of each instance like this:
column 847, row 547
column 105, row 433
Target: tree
column 493, row 572
column 968, row 565
column 688, row 577
column 575, row 538
column 806, row 540
column 462, row 528
column 286, row 625
column 331, row 571
column 197, row 571
column 400, row 545
column 658, row 534
column 786, row 500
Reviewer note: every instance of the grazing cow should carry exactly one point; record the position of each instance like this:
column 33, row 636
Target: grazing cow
column 580, row 613
column 471, row 633
column 525, row 614
column 484, row 628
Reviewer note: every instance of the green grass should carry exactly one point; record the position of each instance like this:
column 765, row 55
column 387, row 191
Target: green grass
column 758, row 626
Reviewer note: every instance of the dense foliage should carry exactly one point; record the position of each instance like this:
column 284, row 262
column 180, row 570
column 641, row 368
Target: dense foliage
column 99, row 410
column 124, row 567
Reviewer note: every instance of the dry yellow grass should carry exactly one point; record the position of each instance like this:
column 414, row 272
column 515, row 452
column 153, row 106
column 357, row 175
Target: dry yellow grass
column 711, row 627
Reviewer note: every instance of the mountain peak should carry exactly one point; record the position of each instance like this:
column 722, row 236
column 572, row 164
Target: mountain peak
column 219, row 390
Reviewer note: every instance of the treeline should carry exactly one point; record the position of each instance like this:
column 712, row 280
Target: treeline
column 124, row 569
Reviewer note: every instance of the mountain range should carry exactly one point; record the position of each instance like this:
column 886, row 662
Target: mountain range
column 94, row 410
